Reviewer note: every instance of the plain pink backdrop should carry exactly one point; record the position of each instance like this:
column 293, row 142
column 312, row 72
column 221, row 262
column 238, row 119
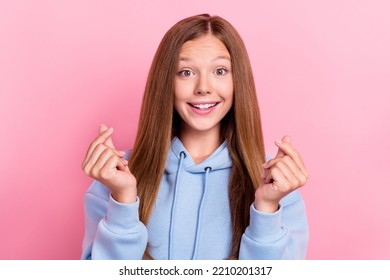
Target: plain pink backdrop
column 322, row 72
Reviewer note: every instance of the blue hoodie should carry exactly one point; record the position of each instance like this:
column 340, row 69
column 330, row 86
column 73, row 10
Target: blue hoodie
column 191, row 218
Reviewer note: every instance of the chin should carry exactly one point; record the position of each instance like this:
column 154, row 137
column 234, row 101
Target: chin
column 199, row 128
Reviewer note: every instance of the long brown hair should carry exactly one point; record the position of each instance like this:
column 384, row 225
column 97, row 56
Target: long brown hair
column 241, row 127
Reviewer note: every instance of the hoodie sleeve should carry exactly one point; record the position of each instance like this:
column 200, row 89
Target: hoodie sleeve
column 280, row 235
column 112, row 229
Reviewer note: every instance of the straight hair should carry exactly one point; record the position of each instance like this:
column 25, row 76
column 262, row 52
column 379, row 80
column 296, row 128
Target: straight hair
column 159, row 123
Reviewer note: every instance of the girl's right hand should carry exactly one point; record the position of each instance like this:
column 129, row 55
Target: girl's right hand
column 106, row 164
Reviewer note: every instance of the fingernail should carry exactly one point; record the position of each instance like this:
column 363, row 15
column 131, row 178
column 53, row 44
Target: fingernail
column 265, row 164
column 122, row 153
column 111, row 129
column 278, row 142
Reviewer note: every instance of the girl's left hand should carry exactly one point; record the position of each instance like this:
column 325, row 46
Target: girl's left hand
column 282, row 175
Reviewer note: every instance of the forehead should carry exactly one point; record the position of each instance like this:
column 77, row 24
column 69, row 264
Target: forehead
column 209, row 45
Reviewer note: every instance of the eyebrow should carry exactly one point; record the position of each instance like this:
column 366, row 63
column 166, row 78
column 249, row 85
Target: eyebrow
column 217, row 58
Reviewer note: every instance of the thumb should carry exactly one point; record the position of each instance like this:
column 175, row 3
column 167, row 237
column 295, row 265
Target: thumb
column 287, row 139
column 281, row 153
column 108, row 142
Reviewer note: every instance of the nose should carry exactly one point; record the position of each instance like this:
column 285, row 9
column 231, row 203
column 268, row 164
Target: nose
column 204, row 85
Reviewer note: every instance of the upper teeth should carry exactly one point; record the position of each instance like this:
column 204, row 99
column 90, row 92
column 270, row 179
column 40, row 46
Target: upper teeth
column 203, row 106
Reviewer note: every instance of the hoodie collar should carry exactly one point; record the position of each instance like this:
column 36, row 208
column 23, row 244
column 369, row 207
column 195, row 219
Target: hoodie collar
column 219, row 159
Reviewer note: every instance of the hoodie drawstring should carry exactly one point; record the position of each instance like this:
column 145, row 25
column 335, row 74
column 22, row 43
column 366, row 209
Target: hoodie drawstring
column 182, row 156
column 207, row 170
column 200, row 211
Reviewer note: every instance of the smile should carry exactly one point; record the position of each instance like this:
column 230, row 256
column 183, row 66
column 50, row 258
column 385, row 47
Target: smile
column 204, row 106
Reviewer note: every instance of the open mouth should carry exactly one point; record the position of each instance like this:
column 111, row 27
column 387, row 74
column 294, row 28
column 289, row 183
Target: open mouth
column 204, row 106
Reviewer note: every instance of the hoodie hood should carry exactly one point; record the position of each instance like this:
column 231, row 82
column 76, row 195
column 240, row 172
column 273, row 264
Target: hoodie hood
column 219, row 159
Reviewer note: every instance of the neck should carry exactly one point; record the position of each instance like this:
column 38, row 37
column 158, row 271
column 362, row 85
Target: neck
column 200, row 144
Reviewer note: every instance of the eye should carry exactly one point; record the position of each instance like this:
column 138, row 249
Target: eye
column 221, row 71
column 185, row 73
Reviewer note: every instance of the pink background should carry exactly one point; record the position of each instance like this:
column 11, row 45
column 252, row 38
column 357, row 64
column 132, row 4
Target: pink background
column 322, row 73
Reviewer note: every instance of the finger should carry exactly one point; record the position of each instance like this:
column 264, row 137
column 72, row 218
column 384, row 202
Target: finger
column 281, row 153
column 108, row 142
column 287, row 160
column 295, row 170
column 109, row 170
column 106, row 155
column 103, row 136
column 289, row 150
column 267, row 178
column 122, row 166
column 269, row 175
column 103, row 157
column 102, row 128
column 97, row 154
column 112, row 164
column 277, row 179
column 272, row 162
column 287, row 139
column 292, row 181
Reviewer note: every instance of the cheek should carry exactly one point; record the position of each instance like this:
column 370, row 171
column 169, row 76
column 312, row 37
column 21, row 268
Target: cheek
column 178, row 105
column 226, row 90
column 178, row 94
column 182, row 90
column 180, row 100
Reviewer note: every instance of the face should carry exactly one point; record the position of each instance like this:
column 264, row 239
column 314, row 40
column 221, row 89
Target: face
column 203, row 84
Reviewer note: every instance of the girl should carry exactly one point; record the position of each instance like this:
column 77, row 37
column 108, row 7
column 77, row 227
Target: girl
column 196, row 184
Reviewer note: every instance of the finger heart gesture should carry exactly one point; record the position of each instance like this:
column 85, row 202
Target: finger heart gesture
column 282, row 175
column 106, row 164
